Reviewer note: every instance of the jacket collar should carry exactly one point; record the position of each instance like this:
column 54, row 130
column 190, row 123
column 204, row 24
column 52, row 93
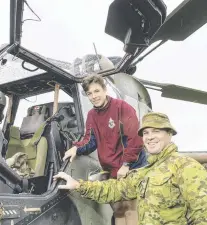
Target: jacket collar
column 163, row 155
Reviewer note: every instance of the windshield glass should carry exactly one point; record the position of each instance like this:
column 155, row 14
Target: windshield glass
column 26, row 103
column 68, row 30
column 13, row 67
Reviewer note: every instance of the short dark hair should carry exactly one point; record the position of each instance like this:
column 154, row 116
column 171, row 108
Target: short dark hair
column 95, row 78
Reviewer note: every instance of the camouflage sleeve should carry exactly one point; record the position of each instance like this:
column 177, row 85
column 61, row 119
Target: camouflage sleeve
column 192, row 181
column 111, row 190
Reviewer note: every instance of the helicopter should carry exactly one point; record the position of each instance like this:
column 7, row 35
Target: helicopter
column 49, row 128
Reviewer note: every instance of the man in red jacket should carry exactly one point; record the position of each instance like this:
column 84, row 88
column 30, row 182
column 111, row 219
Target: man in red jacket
column 111, row 128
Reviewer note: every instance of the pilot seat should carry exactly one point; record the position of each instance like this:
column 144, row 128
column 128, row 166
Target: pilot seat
column 28, row 139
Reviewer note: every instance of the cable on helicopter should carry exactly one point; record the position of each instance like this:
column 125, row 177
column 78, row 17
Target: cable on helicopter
column 37, row 20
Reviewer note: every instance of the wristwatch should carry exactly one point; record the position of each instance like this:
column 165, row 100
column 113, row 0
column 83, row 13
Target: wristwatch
column 126, row 164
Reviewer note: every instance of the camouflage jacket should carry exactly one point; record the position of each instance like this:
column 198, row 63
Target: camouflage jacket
column 19, row 163
column 171, row 190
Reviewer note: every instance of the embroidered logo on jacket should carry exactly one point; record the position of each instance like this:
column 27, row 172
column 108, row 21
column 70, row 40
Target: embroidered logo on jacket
column 111, row 123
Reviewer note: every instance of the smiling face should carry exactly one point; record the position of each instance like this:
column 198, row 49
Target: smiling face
column 155, row 140
column 97, row 95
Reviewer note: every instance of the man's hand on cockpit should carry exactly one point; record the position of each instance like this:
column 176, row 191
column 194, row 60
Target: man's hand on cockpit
column 71, row 183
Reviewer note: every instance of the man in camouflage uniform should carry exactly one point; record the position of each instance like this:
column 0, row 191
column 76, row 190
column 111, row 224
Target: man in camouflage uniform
column 171, row 189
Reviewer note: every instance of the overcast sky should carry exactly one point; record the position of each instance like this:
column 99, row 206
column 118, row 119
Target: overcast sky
column 68, row 29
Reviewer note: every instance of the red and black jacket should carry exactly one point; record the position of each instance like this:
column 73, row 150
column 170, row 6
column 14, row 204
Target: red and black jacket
column 113, row 131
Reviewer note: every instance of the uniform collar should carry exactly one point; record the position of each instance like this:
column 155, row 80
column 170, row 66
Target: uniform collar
column 163, row 155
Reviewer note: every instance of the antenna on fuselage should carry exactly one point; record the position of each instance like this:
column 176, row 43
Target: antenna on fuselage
column 98, row 60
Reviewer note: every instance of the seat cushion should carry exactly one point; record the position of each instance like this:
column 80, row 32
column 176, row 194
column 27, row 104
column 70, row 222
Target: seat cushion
column 15, row 145
column 37, row 154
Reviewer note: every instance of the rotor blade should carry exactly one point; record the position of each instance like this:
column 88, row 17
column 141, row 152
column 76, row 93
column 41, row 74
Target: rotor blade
column 188, row 17
column 177, row 92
